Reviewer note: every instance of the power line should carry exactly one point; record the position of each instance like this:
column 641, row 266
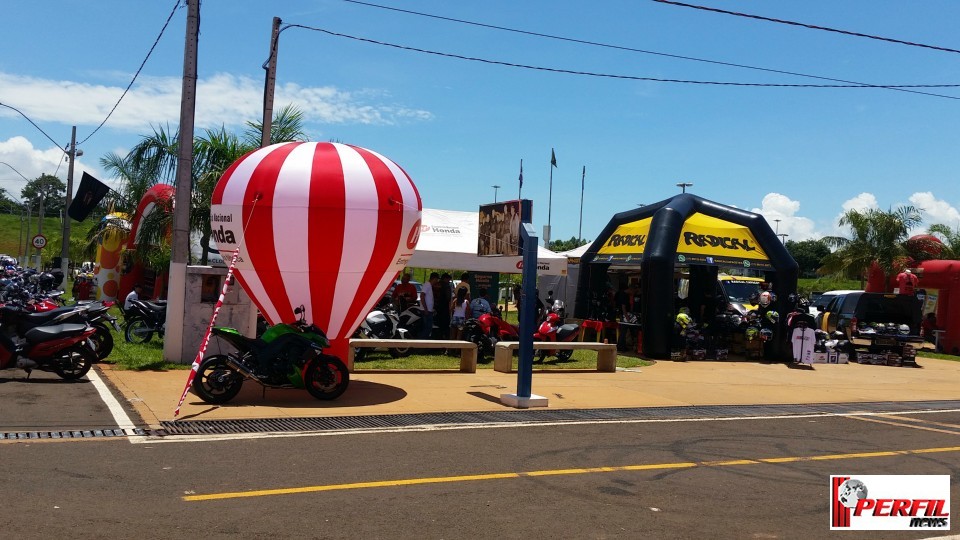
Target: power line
column 904, row 87
column 18, row 111
column 135, row 75
column 622, row 47
column 805, row 25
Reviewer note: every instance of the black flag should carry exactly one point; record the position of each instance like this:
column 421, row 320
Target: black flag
column 89, row 195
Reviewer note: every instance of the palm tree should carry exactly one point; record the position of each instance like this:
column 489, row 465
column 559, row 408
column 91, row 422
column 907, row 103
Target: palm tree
column 949, row 237
column 878, row 238
column 154, row 160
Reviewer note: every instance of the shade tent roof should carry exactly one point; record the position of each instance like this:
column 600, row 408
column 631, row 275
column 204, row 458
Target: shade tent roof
column 574, row 254
column 449, row 238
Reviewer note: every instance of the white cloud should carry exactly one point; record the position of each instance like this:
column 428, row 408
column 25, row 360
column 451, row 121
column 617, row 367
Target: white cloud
column 780, row 207
column 18, row 153
column 222, row 99
column 935, row 210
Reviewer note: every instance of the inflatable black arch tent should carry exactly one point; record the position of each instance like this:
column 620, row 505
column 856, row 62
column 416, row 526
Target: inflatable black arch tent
column 686, row 230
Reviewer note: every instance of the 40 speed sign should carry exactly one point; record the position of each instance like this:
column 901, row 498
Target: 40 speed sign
column 39, row 241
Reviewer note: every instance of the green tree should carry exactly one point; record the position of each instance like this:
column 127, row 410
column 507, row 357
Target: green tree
column 566, row 245
column 950, row 238
column 809, row 255
column 154, row 159
column 878, row 236
column 48, row 188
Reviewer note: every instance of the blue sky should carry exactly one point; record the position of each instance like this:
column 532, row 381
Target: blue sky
column 801, row 155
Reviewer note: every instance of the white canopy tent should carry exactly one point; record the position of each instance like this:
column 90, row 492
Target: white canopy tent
column 448, row 239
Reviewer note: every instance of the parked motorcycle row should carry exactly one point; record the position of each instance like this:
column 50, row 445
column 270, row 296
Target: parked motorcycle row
column 489, row 329
column 38, row 332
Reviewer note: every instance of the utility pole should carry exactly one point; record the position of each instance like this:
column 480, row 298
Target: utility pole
column 65, row 248
column 43, row 196
column 180, row 241
column 269, row 83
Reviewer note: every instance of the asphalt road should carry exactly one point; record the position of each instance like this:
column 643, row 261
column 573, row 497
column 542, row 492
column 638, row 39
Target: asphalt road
column 44, row 402
column 691, row 479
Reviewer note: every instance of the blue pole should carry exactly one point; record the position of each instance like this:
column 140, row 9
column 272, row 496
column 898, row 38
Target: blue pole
column 528, row 300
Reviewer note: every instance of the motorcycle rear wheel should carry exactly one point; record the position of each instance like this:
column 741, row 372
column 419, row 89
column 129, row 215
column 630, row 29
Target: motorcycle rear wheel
column 74, row 363
column 138, row 331
column 102, row 341
column 401, row 352
column 326, row 378
column 216, row 382
column 563, row 356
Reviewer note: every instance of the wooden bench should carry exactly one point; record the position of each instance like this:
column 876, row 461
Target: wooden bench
column 606, row 353
column 468, row 350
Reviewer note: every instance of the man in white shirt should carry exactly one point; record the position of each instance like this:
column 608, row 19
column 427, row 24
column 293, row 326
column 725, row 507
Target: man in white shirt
column 428, row 305
column 134, row 295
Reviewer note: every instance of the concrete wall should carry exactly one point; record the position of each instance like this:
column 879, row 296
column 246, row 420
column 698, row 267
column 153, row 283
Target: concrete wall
column 202, row 290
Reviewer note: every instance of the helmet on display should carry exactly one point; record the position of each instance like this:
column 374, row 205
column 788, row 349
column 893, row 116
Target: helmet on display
column 684, row 320
column 773, row 317
column 752, row 333
column 766, row 298
column 735, row 319
column 631, row 318
column 753, row 316
column 904, row 329
column 766, row 334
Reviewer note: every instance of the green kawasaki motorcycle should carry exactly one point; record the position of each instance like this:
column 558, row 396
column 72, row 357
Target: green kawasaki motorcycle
column 286, row 356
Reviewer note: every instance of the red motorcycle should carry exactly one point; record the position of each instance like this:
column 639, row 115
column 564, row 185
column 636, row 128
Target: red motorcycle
column 64, row 349
column 486, row 331
column 552, row 329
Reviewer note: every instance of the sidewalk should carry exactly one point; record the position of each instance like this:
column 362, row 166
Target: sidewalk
column 154, row 394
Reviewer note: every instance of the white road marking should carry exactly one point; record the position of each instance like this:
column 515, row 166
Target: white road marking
column 120, row 416
column 447, row 427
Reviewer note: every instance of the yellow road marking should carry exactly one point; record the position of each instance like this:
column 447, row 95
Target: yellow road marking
column 900, row 424
column 557, row 472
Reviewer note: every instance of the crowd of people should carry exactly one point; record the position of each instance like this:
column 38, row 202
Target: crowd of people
column 445, row 306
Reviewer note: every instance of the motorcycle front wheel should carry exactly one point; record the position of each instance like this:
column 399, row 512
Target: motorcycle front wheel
column 74, row 363
column 326, row 378
column 216, row 382
column 138, row 331
column 102, row 341
column 563, row 356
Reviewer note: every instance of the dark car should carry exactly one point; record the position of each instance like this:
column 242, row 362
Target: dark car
column 871, row 308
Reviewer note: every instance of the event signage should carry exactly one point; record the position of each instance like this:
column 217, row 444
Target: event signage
column 889, row 502
column 703, row 240
column 499, row 228
column 323, row 225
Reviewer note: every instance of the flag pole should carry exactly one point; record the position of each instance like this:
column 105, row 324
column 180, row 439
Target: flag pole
column 520, row 191
column 553, row 163
column 583, row 179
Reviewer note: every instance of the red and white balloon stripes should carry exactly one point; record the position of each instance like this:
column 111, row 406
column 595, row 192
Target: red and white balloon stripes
column 331, row 227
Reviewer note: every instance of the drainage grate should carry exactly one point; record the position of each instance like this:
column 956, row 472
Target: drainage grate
column 356, row 423
column 82, row 434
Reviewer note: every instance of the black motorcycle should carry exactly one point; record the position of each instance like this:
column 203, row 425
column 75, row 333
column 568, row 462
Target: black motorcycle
column 287, row 356
column 143, row 319
column 17, row 321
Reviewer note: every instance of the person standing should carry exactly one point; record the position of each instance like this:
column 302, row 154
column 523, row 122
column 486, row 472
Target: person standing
column 458, row 312
column 405, row 293
column 907, row 282
column 442, row 299
column 429, row 305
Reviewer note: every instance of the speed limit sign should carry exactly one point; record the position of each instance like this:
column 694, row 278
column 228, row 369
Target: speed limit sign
column 39, row 241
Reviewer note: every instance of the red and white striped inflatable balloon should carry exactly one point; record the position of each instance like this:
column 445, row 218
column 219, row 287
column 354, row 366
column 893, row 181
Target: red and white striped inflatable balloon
column 324, row 225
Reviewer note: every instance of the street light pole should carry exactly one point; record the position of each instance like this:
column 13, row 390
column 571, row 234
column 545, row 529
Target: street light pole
column 72, row 154
column 778, row 227
column 684, row 185
column 495, row 188
column 783, row 237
